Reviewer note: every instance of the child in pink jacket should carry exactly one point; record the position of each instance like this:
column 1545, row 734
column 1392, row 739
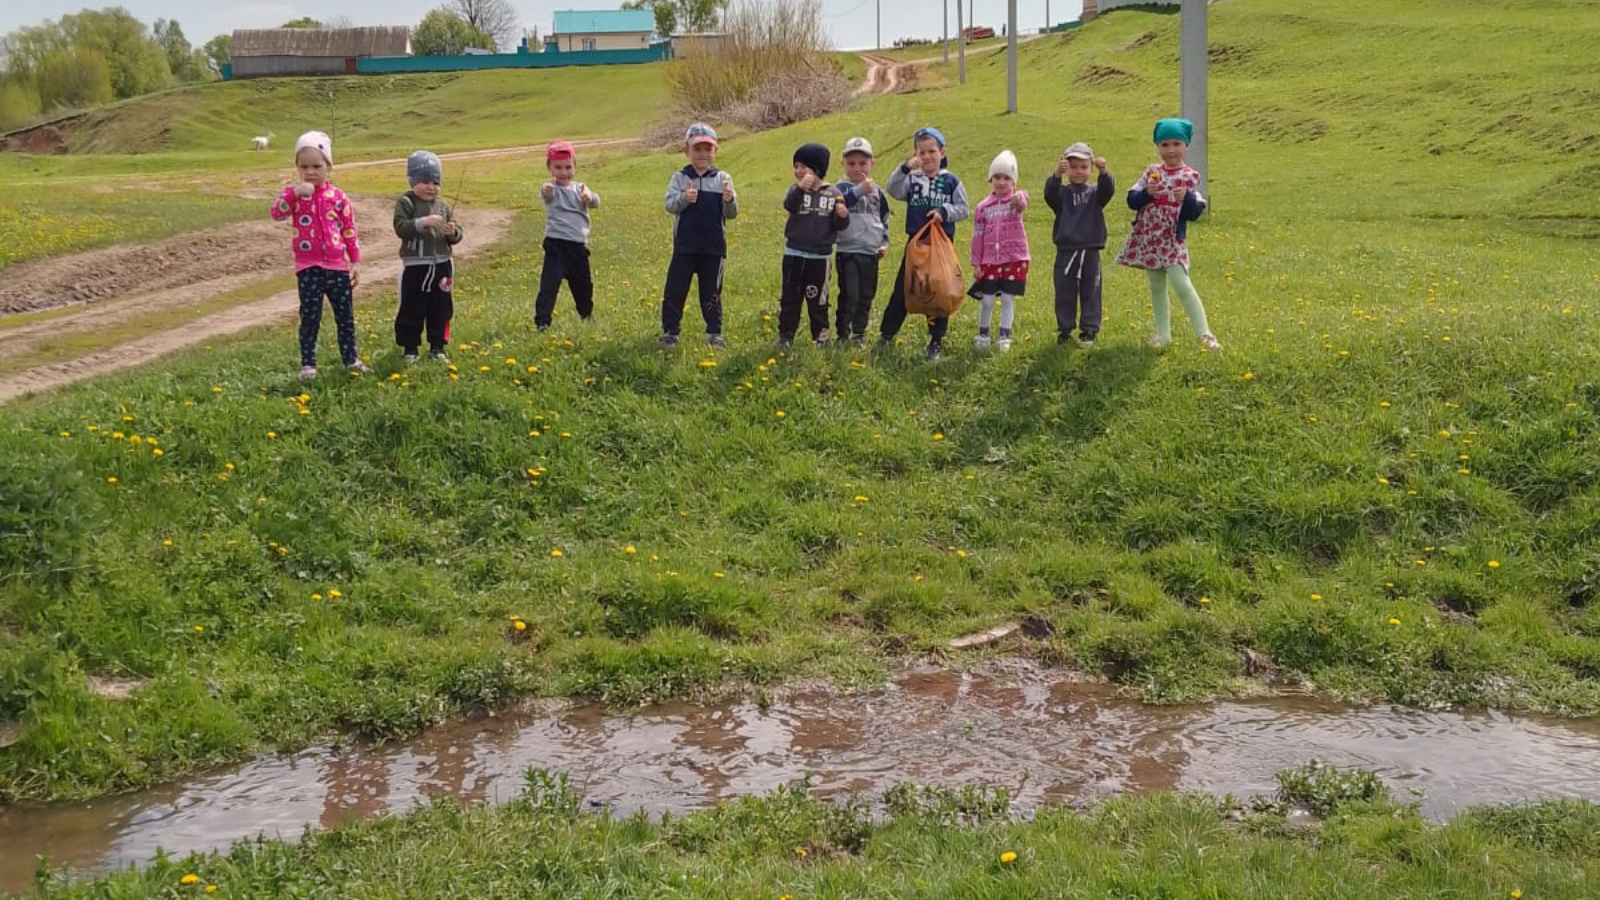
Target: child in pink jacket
column 324, row 238
column 999, row 250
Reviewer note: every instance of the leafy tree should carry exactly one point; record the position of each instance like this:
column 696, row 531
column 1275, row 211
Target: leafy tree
column 673, row 16
column 496, row 18
column 302, row 22
column 72, row 78
column 180, row 56
column 137, row 63
column 218, row 51
column 19, row 103
column 443, row 33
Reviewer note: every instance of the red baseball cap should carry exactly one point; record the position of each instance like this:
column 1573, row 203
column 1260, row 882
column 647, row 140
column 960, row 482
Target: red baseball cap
column 558, row 150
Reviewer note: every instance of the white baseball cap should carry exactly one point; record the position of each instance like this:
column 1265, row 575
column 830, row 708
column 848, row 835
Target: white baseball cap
column 857, row 145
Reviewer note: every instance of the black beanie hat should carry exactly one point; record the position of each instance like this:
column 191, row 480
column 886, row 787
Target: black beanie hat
column 815, row 156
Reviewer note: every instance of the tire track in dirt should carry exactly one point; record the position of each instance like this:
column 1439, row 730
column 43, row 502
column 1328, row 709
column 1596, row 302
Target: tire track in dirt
column 379, row 268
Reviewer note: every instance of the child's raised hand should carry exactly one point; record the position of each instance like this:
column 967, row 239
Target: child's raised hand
column 808, row 182
column 1100, row 163
column 692, row 194
column 1061, row 167
column 1019, row 200
column 727, row 192
column 585, row 196
column 433, row 221
column 869, row 187
column 303, row 190
column 839, row 209
column 547, row 190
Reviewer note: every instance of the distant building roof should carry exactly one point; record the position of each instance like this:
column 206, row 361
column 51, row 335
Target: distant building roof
column 604, row 21
column 372, row 40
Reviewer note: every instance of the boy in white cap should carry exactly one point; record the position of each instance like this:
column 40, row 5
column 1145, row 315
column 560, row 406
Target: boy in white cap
column 999, row 250
column 862, row 244
column 428, row 231
column 702, row 199
column 1079, row 235
column 327, row 254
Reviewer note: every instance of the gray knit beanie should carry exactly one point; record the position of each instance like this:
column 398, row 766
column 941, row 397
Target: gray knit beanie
column 424, row 167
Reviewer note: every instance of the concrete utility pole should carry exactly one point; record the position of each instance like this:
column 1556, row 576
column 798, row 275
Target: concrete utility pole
column 1011, row 56
column 947, row 31
column 1192, row 45
column 879, row 45
column 961, row 43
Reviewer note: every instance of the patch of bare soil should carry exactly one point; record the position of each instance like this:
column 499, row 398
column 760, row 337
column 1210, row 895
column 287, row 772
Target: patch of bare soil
column 250, row 254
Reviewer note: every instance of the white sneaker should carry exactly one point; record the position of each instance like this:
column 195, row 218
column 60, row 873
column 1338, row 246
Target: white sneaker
column 1004, row 344
column 981, row 342
column 357, row 368
column 411, row 359
column 307, row 373
column 1210, row 342
column 438, row 356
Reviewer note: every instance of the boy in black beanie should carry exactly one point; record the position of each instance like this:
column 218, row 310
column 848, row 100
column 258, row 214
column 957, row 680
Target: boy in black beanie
column 817, row 214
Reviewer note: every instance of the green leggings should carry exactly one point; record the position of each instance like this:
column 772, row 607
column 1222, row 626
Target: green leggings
column 1178, row 278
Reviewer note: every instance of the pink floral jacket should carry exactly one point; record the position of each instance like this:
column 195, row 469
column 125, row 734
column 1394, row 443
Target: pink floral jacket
column 997, row 232
column 324, row 227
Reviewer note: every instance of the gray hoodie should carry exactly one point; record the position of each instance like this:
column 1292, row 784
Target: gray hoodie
column 566, row 217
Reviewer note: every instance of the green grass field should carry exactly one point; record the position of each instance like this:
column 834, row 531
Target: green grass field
column 1387, row 483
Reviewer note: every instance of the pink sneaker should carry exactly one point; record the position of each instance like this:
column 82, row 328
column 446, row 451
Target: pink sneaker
column 1209, row 341
column 1156, row 340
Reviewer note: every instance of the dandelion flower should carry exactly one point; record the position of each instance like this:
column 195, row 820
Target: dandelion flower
column 1008, row 857
column 190, row 878
column 334, row 594
column 1494, row 563
column 938, row 435
column 316, row 596
column 781, row 414
column 111, row 480
column 211, row 889
column 1394, row 621
column 556, row 554
column 861, row 498
column 961, row 554
column 629, row 550
column 520, row 625
column 157, row 451
column 1316, row 597
column 801, row 852
column 1205, row 601
column 199, row 628
column 718, row 575
column 166, row 542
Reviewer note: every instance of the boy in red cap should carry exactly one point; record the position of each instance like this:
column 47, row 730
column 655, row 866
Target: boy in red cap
column 566, row 236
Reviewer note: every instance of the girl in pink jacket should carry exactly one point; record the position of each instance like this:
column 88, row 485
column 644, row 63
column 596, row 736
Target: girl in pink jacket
column 324, row 240
column 999, row 250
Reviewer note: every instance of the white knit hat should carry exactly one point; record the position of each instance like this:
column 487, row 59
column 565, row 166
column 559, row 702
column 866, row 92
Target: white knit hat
column 317, row 141
column 1004, row 164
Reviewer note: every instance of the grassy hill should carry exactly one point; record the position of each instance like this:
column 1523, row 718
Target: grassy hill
column 1386, row 484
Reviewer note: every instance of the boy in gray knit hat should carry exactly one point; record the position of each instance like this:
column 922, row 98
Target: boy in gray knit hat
column 567, row 202
column 427, row 231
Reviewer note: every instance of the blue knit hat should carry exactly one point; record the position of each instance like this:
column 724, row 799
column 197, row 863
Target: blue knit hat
column 1174, row 130
column 423, row 167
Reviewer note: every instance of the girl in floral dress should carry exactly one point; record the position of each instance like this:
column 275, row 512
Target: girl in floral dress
column 1166, row 199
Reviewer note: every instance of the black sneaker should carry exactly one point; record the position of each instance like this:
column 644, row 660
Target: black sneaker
column 542, row 328
column 859, row 341
column 1063, row 337
column 785, row 342
column 822, row 339
column 715, row 342
column 935, row 350
column 669, row 340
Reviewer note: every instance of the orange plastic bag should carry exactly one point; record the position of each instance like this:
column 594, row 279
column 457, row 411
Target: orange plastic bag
column 934, row 287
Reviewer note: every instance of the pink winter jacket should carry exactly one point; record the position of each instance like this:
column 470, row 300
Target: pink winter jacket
column 997, row 232
column 324, row 228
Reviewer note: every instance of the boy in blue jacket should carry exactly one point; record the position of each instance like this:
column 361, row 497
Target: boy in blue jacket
column 1079, row 235
column 931, row 192
column 702, row 198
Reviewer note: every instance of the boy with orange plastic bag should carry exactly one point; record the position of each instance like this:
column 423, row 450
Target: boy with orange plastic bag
column 932, row 194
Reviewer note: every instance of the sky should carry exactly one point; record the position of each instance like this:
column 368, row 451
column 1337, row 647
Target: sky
column 852, row 23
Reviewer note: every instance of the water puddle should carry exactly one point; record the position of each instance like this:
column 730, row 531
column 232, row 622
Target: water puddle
column 1045, row 740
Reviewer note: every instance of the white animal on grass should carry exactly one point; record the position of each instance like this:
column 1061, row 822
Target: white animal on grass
column 262, row 140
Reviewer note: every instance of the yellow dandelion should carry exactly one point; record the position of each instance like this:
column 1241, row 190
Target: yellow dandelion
column 166, row 542
column 190, row 878
column 781, row 414
column 111, row 479
column 961, row 554
column 520, row 625
column 556, row 554
column 157, row 451
column 211, row 889
column 334, row 594
column 1394, row 621
column 1205, row 601
column 1316, row 597
column 801, row 852
column 1007, row 858
column 199, row 628
column 511, row 361
column 1248, row 376
column 861, row 498
column 629, row 550
column 316, row 596
column 1382, row 480
column 718, row 575
column 938, row 435
column 1494, row 563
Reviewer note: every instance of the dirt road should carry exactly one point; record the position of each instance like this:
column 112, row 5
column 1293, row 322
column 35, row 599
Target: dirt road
column 114, row 286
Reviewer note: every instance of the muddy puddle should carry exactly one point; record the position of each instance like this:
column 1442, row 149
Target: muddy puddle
column 1046, row 741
